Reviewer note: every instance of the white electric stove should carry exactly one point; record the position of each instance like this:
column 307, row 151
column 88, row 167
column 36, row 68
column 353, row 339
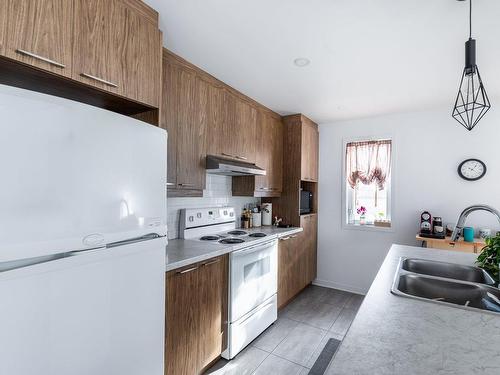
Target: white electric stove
column 253, row 271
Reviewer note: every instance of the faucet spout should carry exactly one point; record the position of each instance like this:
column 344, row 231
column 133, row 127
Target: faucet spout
column 465, row 213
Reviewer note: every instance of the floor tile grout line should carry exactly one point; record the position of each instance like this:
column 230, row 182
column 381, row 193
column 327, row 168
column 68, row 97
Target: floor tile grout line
column 260, row 364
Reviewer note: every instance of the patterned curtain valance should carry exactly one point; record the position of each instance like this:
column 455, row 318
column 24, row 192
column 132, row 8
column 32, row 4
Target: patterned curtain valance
column 368, row 162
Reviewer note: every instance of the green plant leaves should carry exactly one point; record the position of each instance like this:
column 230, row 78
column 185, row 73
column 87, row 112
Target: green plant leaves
column 489, row 259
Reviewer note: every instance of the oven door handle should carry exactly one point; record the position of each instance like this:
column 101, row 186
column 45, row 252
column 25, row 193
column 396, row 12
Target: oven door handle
column 255, row 248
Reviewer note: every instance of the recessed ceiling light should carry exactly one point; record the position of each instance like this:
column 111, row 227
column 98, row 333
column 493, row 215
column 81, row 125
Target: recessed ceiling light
column 301, row 62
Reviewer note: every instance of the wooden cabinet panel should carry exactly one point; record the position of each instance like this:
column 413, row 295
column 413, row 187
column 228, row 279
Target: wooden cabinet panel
column 269, row 153
column 216, row 114
column 98, row 41
column 309, row 223
column 238, row 131
column 140, row 57
column 196, row 316
column 244, row 133
column 3, row 25
column 191, row 122
column 213, row 310
column 309, row 152
column 290, row 279
column 39, row 33
column 168, row 118
column 185, row 117
column 182, row 322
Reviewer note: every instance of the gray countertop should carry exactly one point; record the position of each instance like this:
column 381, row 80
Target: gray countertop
column 397, row 335
column 181, row 253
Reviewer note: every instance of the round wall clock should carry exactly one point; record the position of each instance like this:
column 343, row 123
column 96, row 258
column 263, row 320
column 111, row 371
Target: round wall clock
column 472, row 169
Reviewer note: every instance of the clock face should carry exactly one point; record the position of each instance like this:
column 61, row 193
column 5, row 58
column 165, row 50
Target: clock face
column 472, row 169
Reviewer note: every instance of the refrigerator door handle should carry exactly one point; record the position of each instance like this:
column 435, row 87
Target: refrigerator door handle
column 146, row 237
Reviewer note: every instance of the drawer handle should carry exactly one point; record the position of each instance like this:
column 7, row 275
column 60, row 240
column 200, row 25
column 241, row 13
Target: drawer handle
column 212, row 262
column 241, row 157
column 187, row 271
column 228, row 155
column 186, row 184
column 170, row 184
column 41, row 58
column 285, row 238
column 99, row 79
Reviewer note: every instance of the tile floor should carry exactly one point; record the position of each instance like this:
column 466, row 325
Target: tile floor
column 294, row 342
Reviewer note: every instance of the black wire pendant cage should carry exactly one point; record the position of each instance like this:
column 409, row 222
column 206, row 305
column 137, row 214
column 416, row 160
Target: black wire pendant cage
column 472, row 102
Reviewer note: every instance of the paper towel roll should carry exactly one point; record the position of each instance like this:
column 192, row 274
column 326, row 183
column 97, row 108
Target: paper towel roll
column 267, row 214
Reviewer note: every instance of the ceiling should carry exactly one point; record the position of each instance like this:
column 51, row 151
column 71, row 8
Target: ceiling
column 368, row 57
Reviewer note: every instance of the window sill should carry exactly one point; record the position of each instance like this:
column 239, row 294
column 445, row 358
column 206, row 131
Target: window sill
column 368, row 227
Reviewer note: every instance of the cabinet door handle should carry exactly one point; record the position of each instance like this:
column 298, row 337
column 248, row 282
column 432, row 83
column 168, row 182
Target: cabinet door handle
column 41, row 58
column 210, row 263
column 285, row 238
column 170, row 184
column 186, row 184
column 241, row 157
column 187, row 270
column 99, row 79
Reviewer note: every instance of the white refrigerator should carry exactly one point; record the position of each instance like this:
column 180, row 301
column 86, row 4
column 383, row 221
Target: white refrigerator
column 82, row 239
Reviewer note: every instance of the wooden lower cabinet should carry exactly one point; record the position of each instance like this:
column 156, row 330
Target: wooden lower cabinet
column 196, row 316
column 310, row 225
column 297, row 261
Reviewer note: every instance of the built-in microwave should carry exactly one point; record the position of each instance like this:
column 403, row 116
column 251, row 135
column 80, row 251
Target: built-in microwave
column 306, row 201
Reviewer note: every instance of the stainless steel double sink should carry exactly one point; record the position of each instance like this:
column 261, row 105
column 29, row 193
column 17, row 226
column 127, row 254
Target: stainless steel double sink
column 450, row 284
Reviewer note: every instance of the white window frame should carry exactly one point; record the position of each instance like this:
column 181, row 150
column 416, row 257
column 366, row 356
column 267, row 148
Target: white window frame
column 390, row 193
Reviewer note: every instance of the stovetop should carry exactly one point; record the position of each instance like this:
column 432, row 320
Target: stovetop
column 232, row 237
column 215, row 225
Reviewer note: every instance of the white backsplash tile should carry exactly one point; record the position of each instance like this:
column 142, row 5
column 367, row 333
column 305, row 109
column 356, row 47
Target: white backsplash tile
column 217, row 194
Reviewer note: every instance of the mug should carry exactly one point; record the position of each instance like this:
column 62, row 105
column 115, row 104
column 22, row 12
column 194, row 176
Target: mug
column 468, row 234
column 484, row 233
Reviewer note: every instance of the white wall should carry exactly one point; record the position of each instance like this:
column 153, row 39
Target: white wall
column 217, row 194
column 428, row 148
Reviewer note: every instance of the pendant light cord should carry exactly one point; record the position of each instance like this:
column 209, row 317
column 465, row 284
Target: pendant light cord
column 470, row 19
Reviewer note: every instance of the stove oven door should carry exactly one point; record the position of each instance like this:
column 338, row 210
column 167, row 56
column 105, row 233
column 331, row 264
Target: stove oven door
column 254, row 277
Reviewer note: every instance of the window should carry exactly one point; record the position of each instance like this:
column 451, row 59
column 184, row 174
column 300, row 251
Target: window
column 368, row 183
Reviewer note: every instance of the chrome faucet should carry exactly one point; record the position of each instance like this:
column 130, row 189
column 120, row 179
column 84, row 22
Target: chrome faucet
column 465, row 213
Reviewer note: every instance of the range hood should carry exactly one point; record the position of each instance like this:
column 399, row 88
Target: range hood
column 231, row 167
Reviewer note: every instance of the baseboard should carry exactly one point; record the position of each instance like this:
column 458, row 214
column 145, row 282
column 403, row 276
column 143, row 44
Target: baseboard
column 340, row 286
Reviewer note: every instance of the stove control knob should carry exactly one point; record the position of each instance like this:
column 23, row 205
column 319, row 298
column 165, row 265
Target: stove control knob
column 191, row 218
column 198, row 215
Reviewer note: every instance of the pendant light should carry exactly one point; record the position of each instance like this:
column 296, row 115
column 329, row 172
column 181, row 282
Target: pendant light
column 472, row 102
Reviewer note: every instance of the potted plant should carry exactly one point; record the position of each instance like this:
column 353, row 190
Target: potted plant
column 362, row 215
column 489, row 258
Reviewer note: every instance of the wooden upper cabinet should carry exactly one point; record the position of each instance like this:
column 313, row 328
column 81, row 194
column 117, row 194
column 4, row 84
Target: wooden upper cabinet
column 269, row 153
column 39, row 33
column 141, row 58
column 216, row 113
column 168, row 118
column 117, row 48
column 238, row 131
column 185, row 115
column 244, row 134
column 98, row 43
column 192, row 120
column 309, row 151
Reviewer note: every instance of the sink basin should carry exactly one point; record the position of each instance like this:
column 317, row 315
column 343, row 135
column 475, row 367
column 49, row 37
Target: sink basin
column 463, row 294
column 447, row 270
column 450, row 284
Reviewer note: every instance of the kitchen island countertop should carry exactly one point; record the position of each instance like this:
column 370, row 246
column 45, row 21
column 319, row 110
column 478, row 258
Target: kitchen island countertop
column 396, row 335
column 182, row 253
